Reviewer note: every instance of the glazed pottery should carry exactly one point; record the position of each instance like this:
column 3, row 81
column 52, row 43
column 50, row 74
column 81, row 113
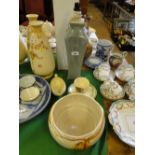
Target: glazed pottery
column 32, row 17
column 30, row 108
column 129, row 88
column 103, row 72
column 122, row 118
column 112, row 90
column 27, row 81
column 104, row 48
column 40, row 53
column 57, row 85
column 89, row 91
column 76, row 41
column 76, row 121
column 81, row 83
column 125, row 72
column 116, row 59
column 22, row 49
column 29, row 94
column 48, row 29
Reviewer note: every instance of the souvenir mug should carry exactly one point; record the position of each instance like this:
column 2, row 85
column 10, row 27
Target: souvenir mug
column 104, row 47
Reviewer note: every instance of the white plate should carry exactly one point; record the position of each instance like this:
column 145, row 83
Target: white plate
column 122, row 118
column 91, row 91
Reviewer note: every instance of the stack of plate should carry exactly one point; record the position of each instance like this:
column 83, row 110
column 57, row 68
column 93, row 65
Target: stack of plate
column 122, row 118
column 34, row 96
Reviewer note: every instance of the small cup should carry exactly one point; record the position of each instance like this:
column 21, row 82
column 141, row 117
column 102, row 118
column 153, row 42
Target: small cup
column 81, row 84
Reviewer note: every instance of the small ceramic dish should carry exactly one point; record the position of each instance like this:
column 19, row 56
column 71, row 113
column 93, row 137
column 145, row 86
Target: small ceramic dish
column 58, row 85
column 130, row 89
column 27, row 81
column 90, row 91
column 125, row 72
column 76, row 121
column 93, row 62
column 122, row 118
column 29, row 94
column 112, row 90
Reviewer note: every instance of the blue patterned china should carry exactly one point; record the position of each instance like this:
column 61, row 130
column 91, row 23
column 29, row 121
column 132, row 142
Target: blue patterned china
column 104, row 47
column 30, row 109
column 93, row 62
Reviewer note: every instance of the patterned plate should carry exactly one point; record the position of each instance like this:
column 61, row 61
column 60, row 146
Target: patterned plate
column 122, row 118
column 29, row 110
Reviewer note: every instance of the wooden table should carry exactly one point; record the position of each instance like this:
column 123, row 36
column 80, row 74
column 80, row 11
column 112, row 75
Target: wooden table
column 115, row 145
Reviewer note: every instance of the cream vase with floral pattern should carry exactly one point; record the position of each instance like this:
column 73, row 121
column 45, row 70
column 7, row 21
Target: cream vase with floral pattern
column 40, row 53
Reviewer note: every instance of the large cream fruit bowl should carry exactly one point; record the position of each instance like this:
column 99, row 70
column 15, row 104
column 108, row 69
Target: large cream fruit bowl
column 76, row 121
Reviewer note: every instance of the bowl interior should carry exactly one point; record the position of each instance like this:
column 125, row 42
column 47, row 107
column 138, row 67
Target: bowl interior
column 77, row 115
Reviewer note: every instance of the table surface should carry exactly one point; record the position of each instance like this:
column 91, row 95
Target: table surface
column 115, row 145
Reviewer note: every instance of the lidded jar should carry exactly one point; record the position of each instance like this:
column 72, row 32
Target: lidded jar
column 57, row 85
column 40, row 53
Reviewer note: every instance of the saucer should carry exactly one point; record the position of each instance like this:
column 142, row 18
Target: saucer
column 93, row 62
column 90, row 91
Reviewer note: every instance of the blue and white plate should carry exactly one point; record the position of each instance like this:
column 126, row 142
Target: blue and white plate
column 93, row 62
column 29, row 110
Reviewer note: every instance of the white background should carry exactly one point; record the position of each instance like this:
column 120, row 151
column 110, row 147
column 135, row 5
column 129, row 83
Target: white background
column 145, row 77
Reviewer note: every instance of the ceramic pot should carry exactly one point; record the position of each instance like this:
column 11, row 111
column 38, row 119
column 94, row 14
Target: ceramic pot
column 104, row 48
column 22, row 49
column 40, row 53
column 116, row 59
column 57, row 85
column 76, row 121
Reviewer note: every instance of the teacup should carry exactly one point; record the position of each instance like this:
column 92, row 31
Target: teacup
column 81, row 84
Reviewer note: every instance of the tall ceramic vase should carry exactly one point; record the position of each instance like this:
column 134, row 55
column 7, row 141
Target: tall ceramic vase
column 40, row 53
column 31, row 18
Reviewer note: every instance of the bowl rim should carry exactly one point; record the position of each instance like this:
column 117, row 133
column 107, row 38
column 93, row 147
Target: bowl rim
column 83, row 136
